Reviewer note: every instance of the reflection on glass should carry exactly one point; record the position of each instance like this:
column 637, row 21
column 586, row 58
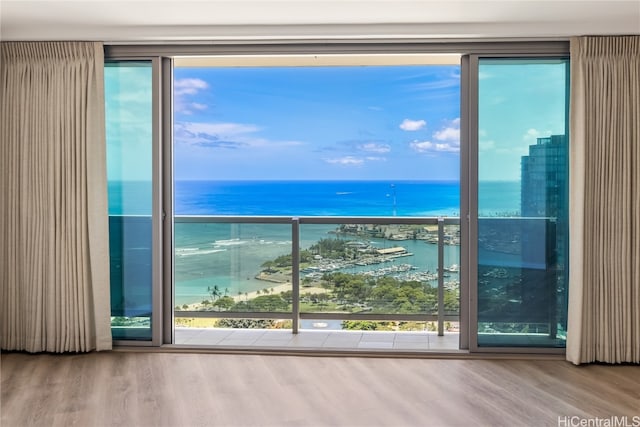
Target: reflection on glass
column 129, row 144
column 232, row 267
column 523, row 237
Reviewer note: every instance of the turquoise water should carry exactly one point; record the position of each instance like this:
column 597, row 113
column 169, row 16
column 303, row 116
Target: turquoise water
column 230, row 255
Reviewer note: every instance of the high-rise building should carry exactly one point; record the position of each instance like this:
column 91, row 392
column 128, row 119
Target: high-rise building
column 544, row 178
column 544, row 194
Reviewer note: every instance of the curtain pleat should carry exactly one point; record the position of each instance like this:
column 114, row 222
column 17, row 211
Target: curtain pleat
column 604, row 283
column 54, row 257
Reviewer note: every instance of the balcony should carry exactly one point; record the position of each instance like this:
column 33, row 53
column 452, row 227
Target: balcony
column 342, row 282
column 317, row 283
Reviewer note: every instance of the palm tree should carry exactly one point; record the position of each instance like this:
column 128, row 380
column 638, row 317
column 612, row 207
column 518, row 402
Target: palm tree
column 214, row 292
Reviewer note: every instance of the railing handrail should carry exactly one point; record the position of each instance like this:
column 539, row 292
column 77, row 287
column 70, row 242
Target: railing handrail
column 251, row 219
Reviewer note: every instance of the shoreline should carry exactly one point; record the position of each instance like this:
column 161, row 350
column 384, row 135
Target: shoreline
column 275, row 290
column 258, row 279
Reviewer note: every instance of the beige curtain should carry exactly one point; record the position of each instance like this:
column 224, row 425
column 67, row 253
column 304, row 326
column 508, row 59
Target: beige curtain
column 604, row 284
column 54, row 257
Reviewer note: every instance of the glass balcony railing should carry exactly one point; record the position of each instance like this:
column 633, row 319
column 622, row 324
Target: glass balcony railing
column 383, row 273
column 131, row 276
column 522, row 281
column 285, row 272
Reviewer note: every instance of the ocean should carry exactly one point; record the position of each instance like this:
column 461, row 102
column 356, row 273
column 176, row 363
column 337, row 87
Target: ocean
column 317, row 198
column 230, row 255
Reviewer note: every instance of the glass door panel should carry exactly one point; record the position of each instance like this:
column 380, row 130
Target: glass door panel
column 128, row 105
column 522, row 224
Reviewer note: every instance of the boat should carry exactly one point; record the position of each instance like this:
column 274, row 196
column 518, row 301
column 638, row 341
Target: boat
column 453, row 268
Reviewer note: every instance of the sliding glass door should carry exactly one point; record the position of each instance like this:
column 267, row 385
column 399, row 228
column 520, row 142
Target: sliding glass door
column 129, row 102
column 522, row 224
column 301, row 191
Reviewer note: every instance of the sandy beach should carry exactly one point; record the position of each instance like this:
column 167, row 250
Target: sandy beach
column 275, row 290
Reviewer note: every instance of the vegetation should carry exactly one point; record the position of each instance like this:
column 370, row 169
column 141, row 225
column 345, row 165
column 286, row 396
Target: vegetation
column 224, row 303
column 143, row 322
column 263, row 303
column 330, row 248
column 247, row 323
column 368, row 325
column 387, row 294
column 350, row 293
column 284, row 262
column 343, row 292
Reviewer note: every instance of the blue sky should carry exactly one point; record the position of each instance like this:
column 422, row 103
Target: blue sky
column 519, row 101
column 343, row 123
column 317, row 123
column 128, row 112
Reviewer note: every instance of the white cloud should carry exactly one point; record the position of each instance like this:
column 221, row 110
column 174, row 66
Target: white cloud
column 182, row 89
column 447, row 139
column 448, row 134
column 422, row 146
column 224, row 135
column 531, row 135
column 376, row 159
column 373, row 147
column 412, row 125
column 188, row 86
column 222, row 128
column 346, row 160
column 431, row 147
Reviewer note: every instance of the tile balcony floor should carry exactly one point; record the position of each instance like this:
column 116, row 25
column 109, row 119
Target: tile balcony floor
column 323, row 340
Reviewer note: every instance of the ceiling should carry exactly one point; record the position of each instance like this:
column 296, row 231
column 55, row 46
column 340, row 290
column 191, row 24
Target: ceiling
column 151, row 21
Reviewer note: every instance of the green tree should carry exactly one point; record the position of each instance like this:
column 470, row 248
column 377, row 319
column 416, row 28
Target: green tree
column 214, row 292
column 329, row 248
column 268, row 303
column 269, row 266
column 306, row 256
column 283, row 261
column 224, row 303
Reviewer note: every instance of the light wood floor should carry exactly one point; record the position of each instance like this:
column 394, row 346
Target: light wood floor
column 171, row 389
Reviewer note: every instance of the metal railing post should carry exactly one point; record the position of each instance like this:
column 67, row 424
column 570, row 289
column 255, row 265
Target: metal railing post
column 295, row 274
column 440, row 276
